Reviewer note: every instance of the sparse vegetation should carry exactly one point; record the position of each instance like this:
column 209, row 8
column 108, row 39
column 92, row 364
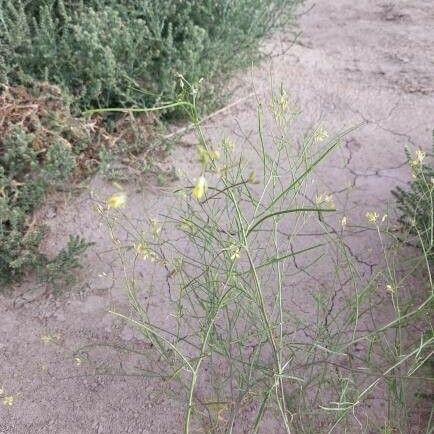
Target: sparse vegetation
column 229, row 330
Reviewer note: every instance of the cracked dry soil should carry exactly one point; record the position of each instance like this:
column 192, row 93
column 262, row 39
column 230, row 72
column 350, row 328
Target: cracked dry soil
column 370, row 61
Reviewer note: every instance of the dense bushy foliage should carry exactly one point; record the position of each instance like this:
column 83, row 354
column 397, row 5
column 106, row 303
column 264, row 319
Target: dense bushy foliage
column 416, row 204
column 39, row 148
column 102, row 53
column 128, row 52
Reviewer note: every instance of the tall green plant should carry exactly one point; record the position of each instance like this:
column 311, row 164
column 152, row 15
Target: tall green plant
column 228, row 267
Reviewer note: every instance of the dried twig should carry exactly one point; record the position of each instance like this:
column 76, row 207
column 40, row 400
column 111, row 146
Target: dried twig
column 190, row 127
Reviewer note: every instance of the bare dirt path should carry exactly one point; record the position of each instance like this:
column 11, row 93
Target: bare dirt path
column 369, row 61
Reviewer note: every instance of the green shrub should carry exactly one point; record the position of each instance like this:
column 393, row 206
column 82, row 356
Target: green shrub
column 111, row 52
column 417, row 204
column 57, row 272
column 35, row 156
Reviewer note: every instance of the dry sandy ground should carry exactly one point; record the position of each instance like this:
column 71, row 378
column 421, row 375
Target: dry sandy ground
column 366, row 60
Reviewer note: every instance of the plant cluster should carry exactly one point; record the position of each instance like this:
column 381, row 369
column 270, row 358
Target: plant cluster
column 227, row 269
column 40, row 147
column 417, row 203
column 100, row 53
column 126, row 53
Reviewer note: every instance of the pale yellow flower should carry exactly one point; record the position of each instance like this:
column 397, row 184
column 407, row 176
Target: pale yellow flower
column 279, row 106
column 324, row 199
column 390, row 288
column 228, row 144
column 344, row 221
column 200, row 188
column 320, row 135
column 420, row 155
column 234, row 252
column 8, row 400
column 372, row 216
column 142, row 249
column 418, row 159
column 78, row 361
column 117, row 200
column 206, row 155
column 215, row 154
